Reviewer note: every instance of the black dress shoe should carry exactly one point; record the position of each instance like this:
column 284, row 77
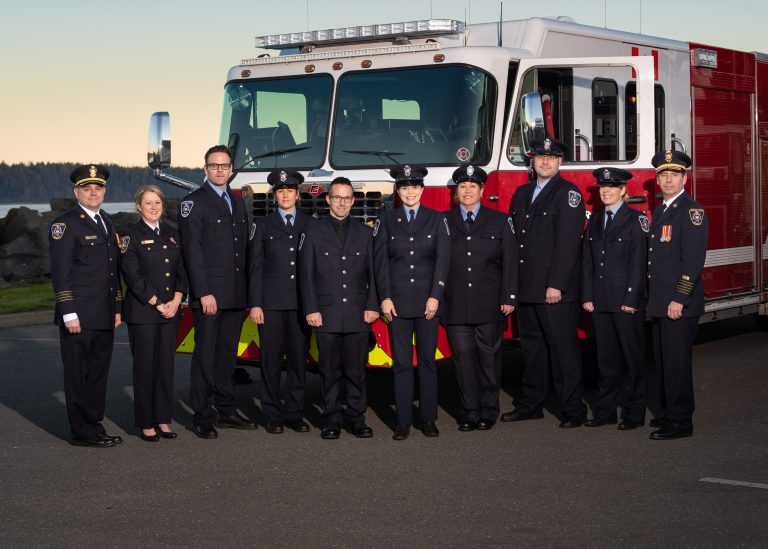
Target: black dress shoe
column 401, row 433
column 274, row 428
column 657, row 422
column 299, row 425
column 599, row 422
column 466, row 426
column 570, row 423
column 485, row 425
column 205, row 431
column 236, row 421
column 514, row 415
column 430, row 429
column 166, row 434
column 669, row 432
column 360, row 431
column 148, row 438
column 117, row 439
column 628, row 425
column 98, row 442
column 330, row 432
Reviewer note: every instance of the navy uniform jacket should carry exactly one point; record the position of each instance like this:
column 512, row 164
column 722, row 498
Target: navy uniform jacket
column 549, row 238
column 613, row 265
column 273, row 257
column 412, row 259
column 85, row 270
column 214, row 246
column 483, row 268
column 675, row 265
column 151, row 266
column 338, row 282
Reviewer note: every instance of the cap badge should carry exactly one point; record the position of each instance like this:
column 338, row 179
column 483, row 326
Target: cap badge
column 283, row 177
column 547, row 144
column 470, row 170
column 667, row 156
column 407, row 171
column 606, row 174
column 92, row 171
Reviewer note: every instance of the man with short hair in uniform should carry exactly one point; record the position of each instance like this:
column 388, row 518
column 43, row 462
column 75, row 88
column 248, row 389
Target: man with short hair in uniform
column 84, row 272
column 338, row 296
column 549, row 219
column 480, row 292
column 677, row 249
column 213, row 225
column 273, row 298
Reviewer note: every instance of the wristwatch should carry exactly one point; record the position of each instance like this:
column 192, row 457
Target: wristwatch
column 158, row 302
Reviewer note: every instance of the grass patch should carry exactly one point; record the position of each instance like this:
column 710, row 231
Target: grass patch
column 31, row 297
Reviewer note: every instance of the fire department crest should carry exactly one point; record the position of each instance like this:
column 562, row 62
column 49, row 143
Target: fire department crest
column 667, row 156
column 57, row 230
column 470, row 170
column 643, row 223
column 407, row 170
column 186, row 207
column 547, row 144
column 283, row 177
column 376, row 227
column 463, row 154
column 124, row 242
column 511, row 225
column 697, row 216
column 574, row 199
column 253, row 231
column 606, row 174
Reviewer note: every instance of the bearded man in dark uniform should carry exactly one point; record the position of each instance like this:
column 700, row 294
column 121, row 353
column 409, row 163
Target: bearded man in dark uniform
column 549, row 215
column 85, row 275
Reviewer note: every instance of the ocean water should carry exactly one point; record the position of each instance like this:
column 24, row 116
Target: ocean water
column 109, row 207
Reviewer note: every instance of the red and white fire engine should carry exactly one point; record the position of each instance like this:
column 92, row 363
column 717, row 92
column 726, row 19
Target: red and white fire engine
column 354, row 101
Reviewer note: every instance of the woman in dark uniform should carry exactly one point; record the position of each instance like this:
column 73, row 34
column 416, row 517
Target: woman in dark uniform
column 412, row 248
column 154, row 274
column 613, row 290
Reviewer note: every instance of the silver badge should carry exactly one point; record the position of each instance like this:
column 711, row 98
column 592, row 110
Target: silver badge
column 470, row 170
column 606, row 173
column 447, row 230
column 407, row 170
column 574, row 198
column 643, row 223
column 57, row 230
column 511, row 225
column 283, row 176
column 186, row 207
column 547, row 144
column 376, row 227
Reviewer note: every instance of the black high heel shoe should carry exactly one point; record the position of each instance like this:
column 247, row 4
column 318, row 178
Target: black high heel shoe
column 165, row 434
column 148, row 438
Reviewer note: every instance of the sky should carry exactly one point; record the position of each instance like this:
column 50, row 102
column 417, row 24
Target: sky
column 80, row 78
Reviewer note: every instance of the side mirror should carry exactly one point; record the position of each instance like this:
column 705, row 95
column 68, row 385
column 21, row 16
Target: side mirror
column 532, row 121
column 159, row 141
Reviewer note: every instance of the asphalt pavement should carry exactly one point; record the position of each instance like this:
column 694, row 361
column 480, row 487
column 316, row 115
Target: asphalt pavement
column 527, row 484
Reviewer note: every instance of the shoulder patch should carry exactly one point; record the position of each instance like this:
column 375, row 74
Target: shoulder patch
column 696, row 215
column 57, row 230
column 301, row 241
column 447, row 230
column 574, row 198
column 643, row 223
column 124, row 242
column 185, row 207
column 376, row 227
column 253, row 230
column 511, row 225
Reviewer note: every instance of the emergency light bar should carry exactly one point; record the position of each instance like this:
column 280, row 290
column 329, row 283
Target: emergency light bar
column 320, row 56
column 424, row 27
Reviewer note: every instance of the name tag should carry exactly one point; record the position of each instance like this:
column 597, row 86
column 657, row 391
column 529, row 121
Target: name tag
column 91, row 237
column 147, row 241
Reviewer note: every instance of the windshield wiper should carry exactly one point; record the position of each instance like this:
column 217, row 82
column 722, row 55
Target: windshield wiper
column 380, row 154
column 275, row 153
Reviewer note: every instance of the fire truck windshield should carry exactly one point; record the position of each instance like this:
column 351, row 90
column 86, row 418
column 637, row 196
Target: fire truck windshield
column 433, row 116
column 288, row 115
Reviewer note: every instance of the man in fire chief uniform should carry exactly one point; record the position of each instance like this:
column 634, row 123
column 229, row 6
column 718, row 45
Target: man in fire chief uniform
column 214, row 237
column 480, row 292
column 274, row 301
column 549, row 215
column 677, row 249
column 338, row 296
column 84, row 272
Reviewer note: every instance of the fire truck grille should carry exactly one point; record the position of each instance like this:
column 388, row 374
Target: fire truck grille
column 367, row 205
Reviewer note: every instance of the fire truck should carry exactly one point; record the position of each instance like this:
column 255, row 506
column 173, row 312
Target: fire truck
column 355, row 101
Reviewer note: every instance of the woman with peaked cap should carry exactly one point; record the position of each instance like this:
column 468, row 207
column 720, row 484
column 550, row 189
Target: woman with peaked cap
column 156, row 284
column 613, row 290
column 411, row 257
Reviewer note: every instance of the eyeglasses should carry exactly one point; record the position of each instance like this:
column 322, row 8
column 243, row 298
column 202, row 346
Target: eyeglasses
column 219, row 166
column 338, row 198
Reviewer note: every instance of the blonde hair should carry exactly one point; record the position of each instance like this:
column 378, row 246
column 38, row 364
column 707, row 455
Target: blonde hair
column 144, row 189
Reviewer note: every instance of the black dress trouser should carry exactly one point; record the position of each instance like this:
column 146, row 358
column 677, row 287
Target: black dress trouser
column 342, row 360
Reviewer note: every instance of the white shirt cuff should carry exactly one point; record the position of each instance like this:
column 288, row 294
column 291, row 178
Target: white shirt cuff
column 70, row 316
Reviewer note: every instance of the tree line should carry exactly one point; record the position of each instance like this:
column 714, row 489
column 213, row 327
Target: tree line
column 38, row 182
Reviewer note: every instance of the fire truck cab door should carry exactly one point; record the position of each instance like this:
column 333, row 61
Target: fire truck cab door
column 588, row 104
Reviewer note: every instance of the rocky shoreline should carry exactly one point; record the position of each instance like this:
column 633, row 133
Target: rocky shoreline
column 24, row 256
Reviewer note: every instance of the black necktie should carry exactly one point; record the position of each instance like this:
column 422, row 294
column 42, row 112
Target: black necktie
column 609, row 213
column 225, row 198
column 100, row 224
column 157, row 231
column 288, row 218
column 411, row 216
column 469, row 221
column 341, row 231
